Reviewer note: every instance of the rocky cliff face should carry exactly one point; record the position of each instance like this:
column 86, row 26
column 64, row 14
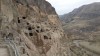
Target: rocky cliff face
column 33, row 27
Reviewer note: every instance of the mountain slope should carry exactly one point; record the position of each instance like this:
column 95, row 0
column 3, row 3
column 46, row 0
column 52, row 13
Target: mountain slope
column 82, row 27
column 89, row 11
column 84, row 19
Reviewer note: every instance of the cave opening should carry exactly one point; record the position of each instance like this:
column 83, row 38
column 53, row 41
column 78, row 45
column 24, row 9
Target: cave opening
column 42, row 30
column 38, row 26
column 45, row 37
column 23, row 51
column 24, row 17
column 31, row 34
column 18, row 20
column 37, row 31
column 50, row 38
column 27, row 23
column 29, row 28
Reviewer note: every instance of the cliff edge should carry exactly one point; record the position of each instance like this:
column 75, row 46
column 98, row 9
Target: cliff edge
column 31, row 26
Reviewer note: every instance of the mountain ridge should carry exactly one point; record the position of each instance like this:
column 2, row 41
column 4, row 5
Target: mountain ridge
column 82, row 11
column 82, row 28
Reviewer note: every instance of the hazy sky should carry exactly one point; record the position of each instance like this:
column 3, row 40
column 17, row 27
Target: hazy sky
column 65, row 6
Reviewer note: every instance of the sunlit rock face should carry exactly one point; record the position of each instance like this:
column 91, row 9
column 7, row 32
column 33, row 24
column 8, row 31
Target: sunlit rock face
column 32, row 25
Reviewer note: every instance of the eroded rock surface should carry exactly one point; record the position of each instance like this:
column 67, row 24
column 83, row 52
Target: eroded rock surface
column 31, row 26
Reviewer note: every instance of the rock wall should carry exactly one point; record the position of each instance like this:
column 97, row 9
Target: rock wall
column 32, row 25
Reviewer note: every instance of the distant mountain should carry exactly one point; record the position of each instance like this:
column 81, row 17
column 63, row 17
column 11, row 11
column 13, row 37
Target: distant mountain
column 82, row 28
column 82, row 21
column 89, row 11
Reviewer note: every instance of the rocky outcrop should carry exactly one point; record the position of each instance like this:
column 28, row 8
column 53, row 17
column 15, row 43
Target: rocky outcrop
column 32, row 26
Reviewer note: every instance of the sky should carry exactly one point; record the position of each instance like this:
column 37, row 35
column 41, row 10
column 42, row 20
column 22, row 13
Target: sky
column 66, row 6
